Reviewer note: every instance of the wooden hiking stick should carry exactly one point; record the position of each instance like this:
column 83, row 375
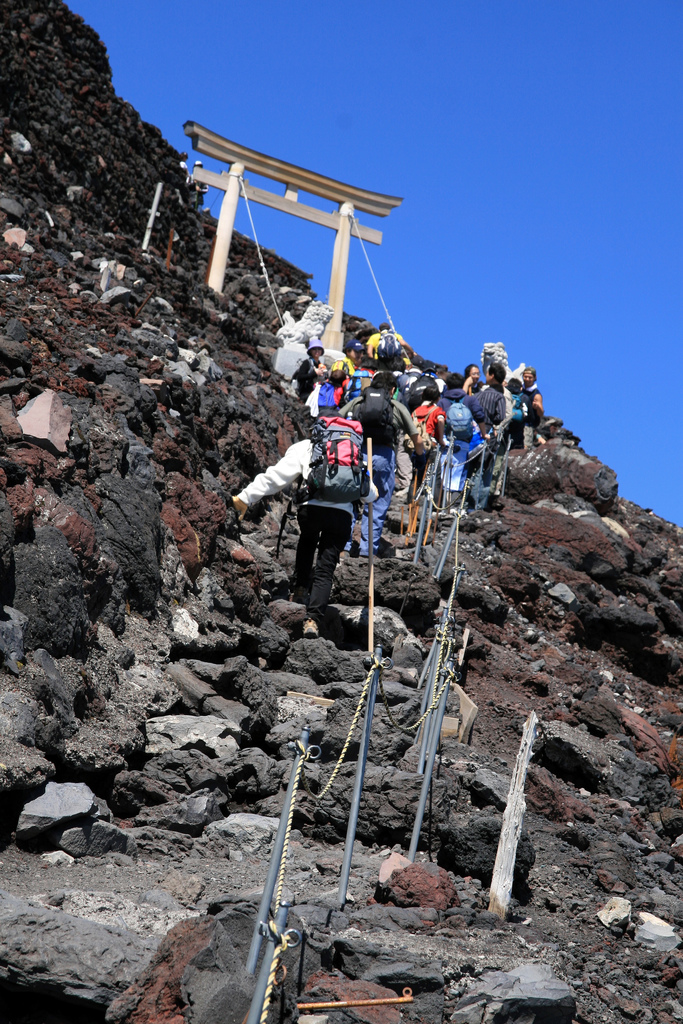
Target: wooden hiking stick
column 371, row 563
column 169, row 250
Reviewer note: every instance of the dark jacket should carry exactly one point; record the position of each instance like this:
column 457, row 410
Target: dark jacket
column 306, row 377
column 471, row 401
column 492, row 402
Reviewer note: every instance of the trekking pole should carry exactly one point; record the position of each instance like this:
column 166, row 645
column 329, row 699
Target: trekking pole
column 505, row 468
column 258, row 1011
column 371, row 560
column 276, row 857
column 425, row 514
column 434, row 737
column 360, row 777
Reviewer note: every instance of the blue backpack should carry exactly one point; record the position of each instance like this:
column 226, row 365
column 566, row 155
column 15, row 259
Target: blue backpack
column 518, row 409
column 459, row 421
column 389, row 346
column 326, row 395
column 355, row 384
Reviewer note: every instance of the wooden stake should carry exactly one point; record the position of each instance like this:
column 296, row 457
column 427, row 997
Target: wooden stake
column 371, row 562
column 503, row 872
column 170, row 247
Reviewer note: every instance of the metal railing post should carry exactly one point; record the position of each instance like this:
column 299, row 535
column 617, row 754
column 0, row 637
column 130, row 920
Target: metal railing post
column 274, row 867
column 426, row 511
column 256, row 1008
column 358, row 783
column 434, row 736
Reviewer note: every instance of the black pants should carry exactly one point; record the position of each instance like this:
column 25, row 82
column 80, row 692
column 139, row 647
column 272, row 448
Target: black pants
column 326, row 530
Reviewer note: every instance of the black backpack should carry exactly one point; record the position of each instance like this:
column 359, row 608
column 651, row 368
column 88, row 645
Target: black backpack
column 415, row 393
column 376, row 413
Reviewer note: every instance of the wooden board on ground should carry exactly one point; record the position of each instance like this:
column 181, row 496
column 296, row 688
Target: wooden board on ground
column 468, row 713
column 450, row 727
column 322, row 702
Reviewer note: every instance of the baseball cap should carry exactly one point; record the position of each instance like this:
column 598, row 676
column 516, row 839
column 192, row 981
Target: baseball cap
column 354, row 345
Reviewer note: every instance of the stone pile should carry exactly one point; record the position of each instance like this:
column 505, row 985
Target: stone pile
column 148, row 646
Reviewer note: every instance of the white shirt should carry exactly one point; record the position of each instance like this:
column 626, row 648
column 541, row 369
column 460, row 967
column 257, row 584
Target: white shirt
column 294, row 464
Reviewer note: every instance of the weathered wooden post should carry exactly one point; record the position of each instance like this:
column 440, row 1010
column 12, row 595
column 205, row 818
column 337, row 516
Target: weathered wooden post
column 504, row 869
column 334, row 336
column 226, row 224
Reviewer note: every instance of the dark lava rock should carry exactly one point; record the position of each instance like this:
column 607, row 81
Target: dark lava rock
column 540, row 472
column 469, row 847
column 87, row 963
column 132, row 525
column 49, row 591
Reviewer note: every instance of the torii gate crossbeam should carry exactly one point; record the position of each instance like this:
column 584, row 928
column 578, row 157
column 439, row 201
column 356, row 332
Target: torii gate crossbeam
column 349, row 197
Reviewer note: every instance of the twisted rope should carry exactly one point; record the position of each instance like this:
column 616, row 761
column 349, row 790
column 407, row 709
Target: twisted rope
column 282, row 942
column 340, row 760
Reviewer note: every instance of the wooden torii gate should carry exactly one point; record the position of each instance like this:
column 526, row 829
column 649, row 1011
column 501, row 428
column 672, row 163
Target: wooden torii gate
column 293, row 178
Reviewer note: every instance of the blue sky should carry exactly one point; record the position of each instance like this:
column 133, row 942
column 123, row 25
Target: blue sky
column 538, row 148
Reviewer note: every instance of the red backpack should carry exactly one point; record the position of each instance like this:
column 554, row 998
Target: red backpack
column 337, row 473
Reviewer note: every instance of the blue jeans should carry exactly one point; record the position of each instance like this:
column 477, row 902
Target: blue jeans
column 384, row 479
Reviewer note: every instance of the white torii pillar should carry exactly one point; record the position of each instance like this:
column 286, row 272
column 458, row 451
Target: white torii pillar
column 334, row 336
column 224, row 229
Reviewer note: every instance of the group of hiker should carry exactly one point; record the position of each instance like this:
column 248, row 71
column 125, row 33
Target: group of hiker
column 415, row 418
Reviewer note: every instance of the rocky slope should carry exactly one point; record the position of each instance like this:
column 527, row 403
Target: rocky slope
column 148, row 645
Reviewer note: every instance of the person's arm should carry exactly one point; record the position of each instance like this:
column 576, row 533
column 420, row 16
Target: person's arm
column 305, row 372
column 439, row 430
column 537, row 404
column 290, row 467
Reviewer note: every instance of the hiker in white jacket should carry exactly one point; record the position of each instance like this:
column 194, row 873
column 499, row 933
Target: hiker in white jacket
column 324, row 527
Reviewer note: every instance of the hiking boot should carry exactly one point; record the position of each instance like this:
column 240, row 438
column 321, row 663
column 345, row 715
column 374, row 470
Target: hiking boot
column 298, row 595
column 311, row 631
column 354, row 550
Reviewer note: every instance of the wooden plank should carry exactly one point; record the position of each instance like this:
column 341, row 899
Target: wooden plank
column 285, row 205
column 450, row 727
column 468, row 713
column 322, row 702
column 504, row 869
column 211, row 144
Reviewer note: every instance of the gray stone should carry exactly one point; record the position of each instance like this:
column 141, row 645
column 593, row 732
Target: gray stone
column 116, row 295
column 656, row 934
column 60, row 802
column 561, row 592
column 14, row 328
column 71, row 958
column 530, row 991
column 490, row 788
column 603, row 766
column 616, row 911
column 93, row 839
column 251, row 834
column 215, row 736
column 22, row 767
column 161, row 899
column 14, row 209
column 18, row 718
column 388, row 625
column 189, row 814
column 12, row 626
column 20, row 143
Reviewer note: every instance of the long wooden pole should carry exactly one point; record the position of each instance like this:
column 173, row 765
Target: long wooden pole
column 371, row 562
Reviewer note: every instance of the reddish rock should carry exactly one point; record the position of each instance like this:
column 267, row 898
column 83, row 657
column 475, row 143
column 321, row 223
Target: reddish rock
column 394, row 862
column 186, row 538
column 419, row 885
column 647, row 741
column 204, row 510
column 542, row 472
column 156, row 997
column 46, row 421
column 546, row 796
column 15, row 236
column 9, row 426
column 289, row 616
column 20, row 501
column 577, row 542
column 322, row 987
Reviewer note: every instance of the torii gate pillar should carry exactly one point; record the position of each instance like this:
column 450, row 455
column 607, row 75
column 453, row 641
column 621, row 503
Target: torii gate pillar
column 224, row 229
column 334, row 336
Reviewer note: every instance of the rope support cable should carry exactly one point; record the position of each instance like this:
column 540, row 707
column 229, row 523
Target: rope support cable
column 258, row 250
column 352, row 728
column 354, row 226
